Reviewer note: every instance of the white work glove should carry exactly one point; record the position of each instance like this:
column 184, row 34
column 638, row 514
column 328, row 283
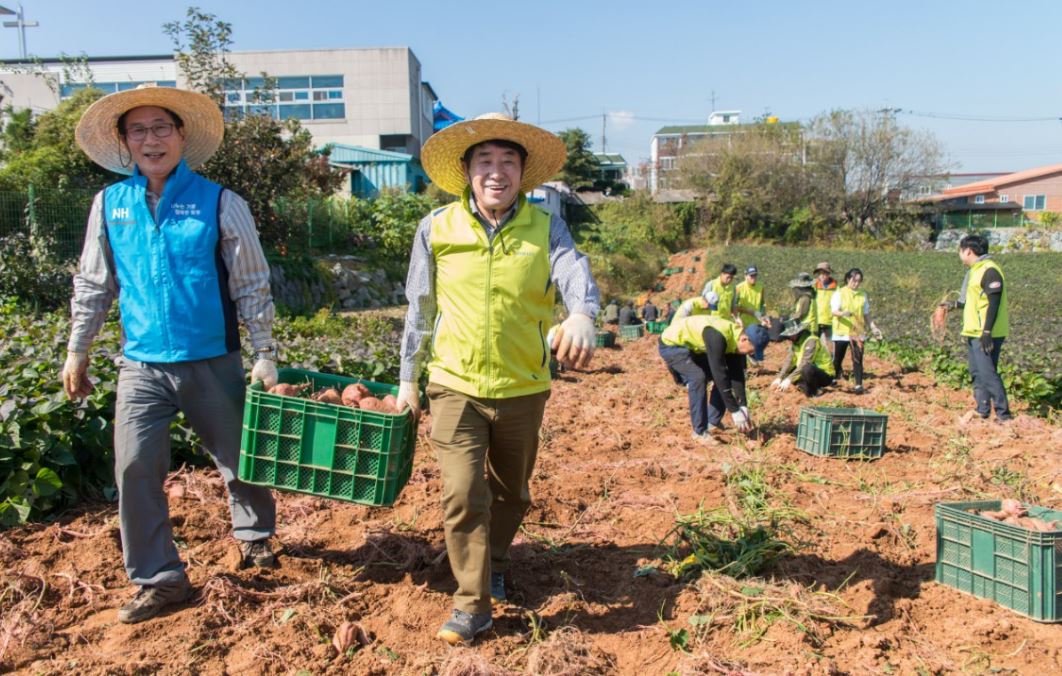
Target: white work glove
column 742, row 420
column 876, row 331
column 264, row 370
column 75, row 376
column 409, row 395
column 781, row 385
column 573, row 341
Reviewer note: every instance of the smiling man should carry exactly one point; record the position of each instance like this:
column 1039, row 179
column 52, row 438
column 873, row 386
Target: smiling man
column 182, row 256
column 483, row 277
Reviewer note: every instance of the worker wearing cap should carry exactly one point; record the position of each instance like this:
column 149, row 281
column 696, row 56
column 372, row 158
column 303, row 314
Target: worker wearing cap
column 705, row 304
column 805, row 309
column 182, row 257
column 809, row 363
column 824, row 287
column 706, row 348
column 751, row 305
column 723, row 287
column 483, row 276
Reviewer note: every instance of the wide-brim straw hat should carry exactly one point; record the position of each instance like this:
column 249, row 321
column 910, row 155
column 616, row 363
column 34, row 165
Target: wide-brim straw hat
column 802, row 281
column 441, row 155
column 97, row 131
column 794, row 327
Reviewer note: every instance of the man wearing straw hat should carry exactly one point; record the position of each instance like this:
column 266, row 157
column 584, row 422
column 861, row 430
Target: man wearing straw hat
column 182, row 256
column 483, row 275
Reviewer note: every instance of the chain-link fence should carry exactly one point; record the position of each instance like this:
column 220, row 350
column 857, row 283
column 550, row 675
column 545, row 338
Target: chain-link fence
column 59, row 215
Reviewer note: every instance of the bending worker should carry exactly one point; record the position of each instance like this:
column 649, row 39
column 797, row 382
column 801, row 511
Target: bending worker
column 809, row 363
column 985, row 324
column 182, row 256
column 707, row 348
column 483, row 276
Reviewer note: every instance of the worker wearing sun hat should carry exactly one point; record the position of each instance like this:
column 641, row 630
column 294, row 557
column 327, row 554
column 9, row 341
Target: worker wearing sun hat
column 182, row 256
column 483, row 275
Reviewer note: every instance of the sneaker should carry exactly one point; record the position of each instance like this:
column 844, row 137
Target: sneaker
column 497, row 587
column 704, row 438
column 463, row 627
column 257, row 555
column 152, row 599
column 858, row 389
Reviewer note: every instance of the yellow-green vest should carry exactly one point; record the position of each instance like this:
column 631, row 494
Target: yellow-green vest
column 976, row 309
column 495, row 302
column 688, row 332
column 698, row 306
column 822, row 357
column 851, row 301
column 822, row 302
column 749, row 295
column 726, row 298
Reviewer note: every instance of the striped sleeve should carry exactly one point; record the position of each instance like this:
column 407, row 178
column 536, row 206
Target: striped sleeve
column 241, row 250
column 420, row 317
column 95, row 284
column 570, row 271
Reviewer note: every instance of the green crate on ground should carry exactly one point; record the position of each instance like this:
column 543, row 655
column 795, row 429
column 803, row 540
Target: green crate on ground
column 631, row 332
column 672, row 271
column 1017, row 568
column 295, row 444
column 605, row 339
column 655, row 327
column 854, row 433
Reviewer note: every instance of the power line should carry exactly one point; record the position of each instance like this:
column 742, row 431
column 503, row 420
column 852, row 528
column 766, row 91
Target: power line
column 977, row 118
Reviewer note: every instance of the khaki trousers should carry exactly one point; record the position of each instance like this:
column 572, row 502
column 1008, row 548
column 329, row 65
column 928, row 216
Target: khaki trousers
column 486, row 450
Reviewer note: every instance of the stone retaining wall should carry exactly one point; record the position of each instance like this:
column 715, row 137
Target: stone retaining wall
column 339, row 282
column 1005, row 239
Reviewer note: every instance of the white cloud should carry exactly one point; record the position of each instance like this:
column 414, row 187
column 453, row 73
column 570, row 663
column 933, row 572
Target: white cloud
column 621, row 119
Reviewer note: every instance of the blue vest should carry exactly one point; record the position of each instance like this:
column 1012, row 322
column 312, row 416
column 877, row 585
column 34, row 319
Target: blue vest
column 173, row 285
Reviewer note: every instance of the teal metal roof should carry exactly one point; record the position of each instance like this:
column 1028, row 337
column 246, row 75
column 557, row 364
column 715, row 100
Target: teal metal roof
column 344, row 154
column 610, row 159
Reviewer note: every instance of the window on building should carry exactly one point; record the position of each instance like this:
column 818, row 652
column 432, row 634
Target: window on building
column 667, row 163
column 395, row 142
column 70, row 88
column 979, row 199
column 1004, row 199
column 1034, row 202
column 291, row 97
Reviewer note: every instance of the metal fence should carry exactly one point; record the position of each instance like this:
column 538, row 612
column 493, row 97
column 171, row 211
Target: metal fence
column 59, row 215
column 316, row 225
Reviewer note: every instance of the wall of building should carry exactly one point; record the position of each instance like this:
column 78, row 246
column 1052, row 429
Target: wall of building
column 1049, row 186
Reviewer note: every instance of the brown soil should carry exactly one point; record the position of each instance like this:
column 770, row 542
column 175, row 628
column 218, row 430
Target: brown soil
column 616, row 465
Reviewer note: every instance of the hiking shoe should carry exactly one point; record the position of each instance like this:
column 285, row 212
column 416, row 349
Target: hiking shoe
column 858, row 389
column 152, row 599
column 463, row 627
column 257, row 555
column 497, row 587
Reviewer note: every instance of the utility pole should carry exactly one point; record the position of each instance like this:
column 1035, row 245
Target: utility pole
column 603, row 118
column 713, row 102
column 21, row 24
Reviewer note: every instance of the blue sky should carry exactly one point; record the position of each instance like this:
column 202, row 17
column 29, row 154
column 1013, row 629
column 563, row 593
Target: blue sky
column 647, row 64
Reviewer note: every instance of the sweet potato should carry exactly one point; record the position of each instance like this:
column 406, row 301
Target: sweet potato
column 391, row 401
column 328, row 395
column 1013, row 507
column 355, row 392
column 288, row 389
column 373, row 404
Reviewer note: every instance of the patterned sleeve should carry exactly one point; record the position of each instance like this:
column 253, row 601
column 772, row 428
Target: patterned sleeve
column 570, row 271
column 420, row 317
column 241, row 250
column 95, row 284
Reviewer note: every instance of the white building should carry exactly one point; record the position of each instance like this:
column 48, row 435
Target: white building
column 373, row 97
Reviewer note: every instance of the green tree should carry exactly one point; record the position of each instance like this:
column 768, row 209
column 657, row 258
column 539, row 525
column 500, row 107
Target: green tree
column 201, row 46
column 50, row 158
column 581, row 167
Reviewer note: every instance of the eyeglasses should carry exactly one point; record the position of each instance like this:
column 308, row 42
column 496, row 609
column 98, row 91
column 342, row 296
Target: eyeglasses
column 160, row 130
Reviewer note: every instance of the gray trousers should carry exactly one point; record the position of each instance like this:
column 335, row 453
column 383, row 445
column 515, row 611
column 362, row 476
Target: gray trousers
column 987, row 385
column 210, row 394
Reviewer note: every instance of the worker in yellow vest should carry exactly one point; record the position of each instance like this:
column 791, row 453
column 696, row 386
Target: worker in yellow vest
column 483, row 276
column 804, row 309
column 985, row 325
column 706, row 348
column 809, row 363
column 723, row 287
column 751, row 305
column 850, row 307
column 824, row 287
column 705, row 304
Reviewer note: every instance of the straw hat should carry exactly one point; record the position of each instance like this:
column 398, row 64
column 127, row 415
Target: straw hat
column 802, row 281
column 97, row 131
column 823, row 267
column 441, row 155
column 794, row 327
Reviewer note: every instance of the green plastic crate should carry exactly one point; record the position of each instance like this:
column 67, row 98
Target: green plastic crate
column 631, row 332
column 605, row 339
column 853, row 433
column 295, row 444
column 655, row 327
column 672, row 271
column 1017, row 568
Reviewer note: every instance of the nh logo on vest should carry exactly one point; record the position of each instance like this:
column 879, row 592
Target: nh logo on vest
column 122, row 216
